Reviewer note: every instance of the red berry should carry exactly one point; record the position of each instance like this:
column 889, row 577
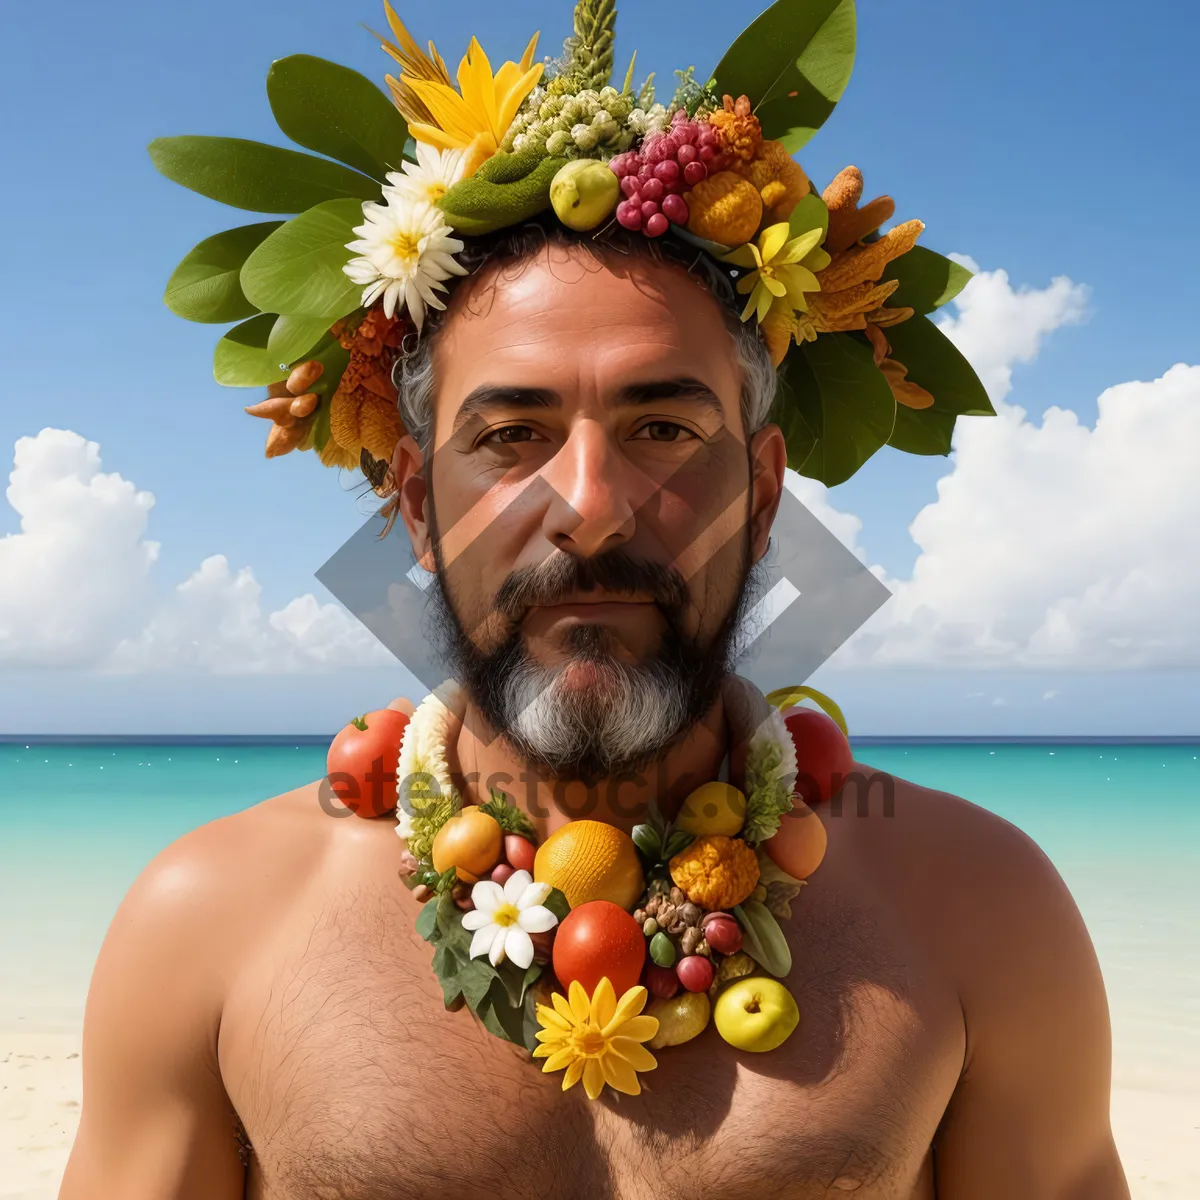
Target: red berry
column 661, row 982
column 694, row 173
column 646, row 172
column 502, row 873
column 667, row 171
column 657, row 225
column 520, row 852
column 629, row 214
column 708, row 153
column 649, row 209
column 631, row 185
column 695, row 972
column 724, row 935
column 653, row 189
column 675, row 208
column 687, row 154
column 708, row 137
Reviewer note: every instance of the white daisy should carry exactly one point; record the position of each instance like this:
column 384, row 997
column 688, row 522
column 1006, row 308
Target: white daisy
column 504, row 917
column 405, row 252
column 428, row 179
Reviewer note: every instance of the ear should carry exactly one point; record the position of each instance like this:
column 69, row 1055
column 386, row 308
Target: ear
column 768, row 461
column 408, row 470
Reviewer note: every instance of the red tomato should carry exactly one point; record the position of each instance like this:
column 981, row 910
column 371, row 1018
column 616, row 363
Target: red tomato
column 596, row 939
column 361, row 765
column 823, row 755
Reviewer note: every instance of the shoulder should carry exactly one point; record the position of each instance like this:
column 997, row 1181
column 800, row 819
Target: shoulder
column 985, row 895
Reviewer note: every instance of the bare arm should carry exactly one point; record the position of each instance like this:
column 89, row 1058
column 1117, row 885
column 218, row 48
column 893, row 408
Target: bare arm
column 1030, row 1117
column 156, row 1123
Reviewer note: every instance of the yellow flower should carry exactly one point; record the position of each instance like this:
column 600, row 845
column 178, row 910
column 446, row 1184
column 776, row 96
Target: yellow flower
column 597, row 1040
column 781, row 269
column 474, row 118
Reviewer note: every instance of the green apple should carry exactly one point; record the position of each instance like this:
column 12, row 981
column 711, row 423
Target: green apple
column 584, row 194
column 756, row 1014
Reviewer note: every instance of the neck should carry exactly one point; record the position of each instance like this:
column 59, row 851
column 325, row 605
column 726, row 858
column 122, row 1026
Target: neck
column 481, row 762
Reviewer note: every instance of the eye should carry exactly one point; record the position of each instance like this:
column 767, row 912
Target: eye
column 663, row 431
column 507, row 435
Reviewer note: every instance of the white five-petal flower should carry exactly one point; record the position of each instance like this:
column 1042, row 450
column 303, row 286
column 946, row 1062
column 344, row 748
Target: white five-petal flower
column 405, row 252
column 504, row 917
column 428, row 179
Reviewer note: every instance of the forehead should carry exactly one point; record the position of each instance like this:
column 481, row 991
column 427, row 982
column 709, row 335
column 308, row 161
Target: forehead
column 584, row 328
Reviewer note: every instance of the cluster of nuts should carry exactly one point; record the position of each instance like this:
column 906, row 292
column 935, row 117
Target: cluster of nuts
column 668, row 911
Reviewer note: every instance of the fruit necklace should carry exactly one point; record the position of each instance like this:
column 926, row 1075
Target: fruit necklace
column 596, row 947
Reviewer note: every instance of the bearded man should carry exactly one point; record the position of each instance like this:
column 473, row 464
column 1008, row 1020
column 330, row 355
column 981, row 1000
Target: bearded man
column 590, row 472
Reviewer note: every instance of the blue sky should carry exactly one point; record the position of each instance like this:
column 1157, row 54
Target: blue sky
column 1042, row 139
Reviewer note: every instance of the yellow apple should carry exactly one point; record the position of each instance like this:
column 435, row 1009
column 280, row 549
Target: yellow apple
column 756, row 1014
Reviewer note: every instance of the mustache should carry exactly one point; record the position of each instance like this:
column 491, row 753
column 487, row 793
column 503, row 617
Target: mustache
column 616, row 571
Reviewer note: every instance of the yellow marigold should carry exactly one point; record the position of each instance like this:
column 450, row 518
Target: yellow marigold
column 725, row 208
column 716, row 872
column 779, row 178
column 738, row 128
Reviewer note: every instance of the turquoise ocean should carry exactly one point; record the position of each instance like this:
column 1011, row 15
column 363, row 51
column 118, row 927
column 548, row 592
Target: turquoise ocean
column 1120, row 820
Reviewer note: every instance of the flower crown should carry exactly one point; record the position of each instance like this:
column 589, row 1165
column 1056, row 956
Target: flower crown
column 326, row 298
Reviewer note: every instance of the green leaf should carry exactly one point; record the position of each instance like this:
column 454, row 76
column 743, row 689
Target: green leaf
column 923, row 431
column 810, row 213
column 205, row 286
column 797, row 435
column 427, row 920
column 334, row 358
column 336, row 111
column 506, row 814
column 255, row 176
column 298, row 269
column 844, row 400
column 242, row 358
column 927, row 280
column 794, row 62
column 937, row 365
column 292, row 338
column 500, row 1017
column 556, row 902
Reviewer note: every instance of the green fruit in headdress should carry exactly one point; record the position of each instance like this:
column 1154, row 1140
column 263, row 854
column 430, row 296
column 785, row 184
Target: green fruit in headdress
column 506, row 190
column 584, row 193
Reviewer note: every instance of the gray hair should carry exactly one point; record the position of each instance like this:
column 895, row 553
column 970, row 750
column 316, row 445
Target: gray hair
column 414, row 370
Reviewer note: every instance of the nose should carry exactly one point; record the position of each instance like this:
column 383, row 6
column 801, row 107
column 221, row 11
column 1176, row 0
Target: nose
column 594, row 499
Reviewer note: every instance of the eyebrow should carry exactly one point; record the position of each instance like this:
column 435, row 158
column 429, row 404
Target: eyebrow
column 491, row 396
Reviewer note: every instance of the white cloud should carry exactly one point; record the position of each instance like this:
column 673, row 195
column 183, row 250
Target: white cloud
column 998, row 326
column 1053, row 544
column 77, row 586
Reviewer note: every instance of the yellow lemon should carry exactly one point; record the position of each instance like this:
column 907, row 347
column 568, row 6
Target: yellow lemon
column 714, row 808
column 589, row 860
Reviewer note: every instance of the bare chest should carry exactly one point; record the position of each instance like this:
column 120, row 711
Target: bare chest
column 354, row 1083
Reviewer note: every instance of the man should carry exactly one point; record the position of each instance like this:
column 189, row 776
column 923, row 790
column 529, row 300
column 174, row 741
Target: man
column 601, row 419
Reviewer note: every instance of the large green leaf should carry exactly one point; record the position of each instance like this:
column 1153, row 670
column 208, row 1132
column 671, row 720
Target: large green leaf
column 923, row 430
column 291, row 338
column 330, row 353
column 794, row 62
column 798, row 437
column 255, row 176
column 205, row 286
column 242, row 358
column 810, row 213
column 937, row 365
column 298, row 269
column 336, row 111
column 845, row 401
column 927, row 280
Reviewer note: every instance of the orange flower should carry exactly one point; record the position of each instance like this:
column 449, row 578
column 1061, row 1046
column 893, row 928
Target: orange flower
column 716, row 872
column 739, row 129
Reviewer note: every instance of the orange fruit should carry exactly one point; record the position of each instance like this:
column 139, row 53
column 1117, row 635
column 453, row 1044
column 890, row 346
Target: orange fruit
column 595, row 940
column 589, row 860
column 472, row 842
column 799, row 844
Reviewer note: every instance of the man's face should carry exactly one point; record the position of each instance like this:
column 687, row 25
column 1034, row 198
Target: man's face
column 589, row 500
